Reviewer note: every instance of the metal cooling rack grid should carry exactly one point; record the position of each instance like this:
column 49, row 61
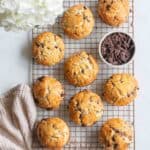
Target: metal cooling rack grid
column 84, row 138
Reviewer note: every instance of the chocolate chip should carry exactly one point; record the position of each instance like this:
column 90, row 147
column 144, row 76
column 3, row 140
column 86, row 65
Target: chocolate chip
column 104, row 51
column 82, row 71
column 85, row 7
column 83, row 125
column 41, row 78
column 115, row 146
column 108, row 144
column 113, row 139
column 37, row 44
column 128, row 95
column 62, row 95
column 110, row 59
column 108, row 7
column 49, row 109
column 54, row 126
column 76, row 33
column 59, row 35
column 85, row 17
column 36, row 100
column 115, row 63
column 74, row 73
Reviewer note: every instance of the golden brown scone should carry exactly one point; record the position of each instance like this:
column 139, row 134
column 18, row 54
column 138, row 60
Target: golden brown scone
column 120, row 89
column 81, row 69
column 85, row 108
column 78, row 21
column 48, row 49
column 53, row 133
column 113, row 12
column 48, row 92
column 116, row 134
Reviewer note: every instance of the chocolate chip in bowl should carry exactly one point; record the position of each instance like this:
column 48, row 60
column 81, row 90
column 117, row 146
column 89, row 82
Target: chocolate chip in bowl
column 117, row 49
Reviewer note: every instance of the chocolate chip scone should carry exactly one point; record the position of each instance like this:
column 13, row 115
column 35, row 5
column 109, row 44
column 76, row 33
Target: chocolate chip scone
column 116, row 134
column 48, row 92
column 53, row 133
column 113, row 12
column 120, row 89
column 78, row 21
column 81, row 69
column 85, row 108
column 48, row 49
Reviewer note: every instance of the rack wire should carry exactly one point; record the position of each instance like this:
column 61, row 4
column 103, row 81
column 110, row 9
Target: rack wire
column 84, row 138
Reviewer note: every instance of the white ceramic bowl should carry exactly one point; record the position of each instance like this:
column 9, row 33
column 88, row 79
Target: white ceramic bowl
column 103, row 59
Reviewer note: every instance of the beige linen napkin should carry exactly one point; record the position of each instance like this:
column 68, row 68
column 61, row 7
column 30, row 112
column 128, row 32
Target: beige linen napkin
column 17, row 117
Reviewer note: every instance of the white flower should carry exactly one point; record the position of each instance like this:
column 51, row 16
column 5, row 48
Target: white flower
column 25, row 14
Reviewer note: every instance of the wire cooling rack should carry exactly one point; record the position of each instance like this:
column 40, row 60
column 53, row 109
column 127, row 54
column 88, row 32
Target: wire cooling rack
column 84, row 138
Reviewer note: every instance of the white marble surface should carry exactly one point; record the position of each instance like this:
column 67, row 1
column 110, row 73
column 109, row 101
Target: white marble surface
column 14, row 59
column 15, row 66
column 142, row 70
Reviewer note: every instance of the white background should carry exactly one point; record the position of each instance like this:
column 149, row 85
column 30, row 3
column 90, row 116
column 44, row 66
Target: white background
column 15, row 56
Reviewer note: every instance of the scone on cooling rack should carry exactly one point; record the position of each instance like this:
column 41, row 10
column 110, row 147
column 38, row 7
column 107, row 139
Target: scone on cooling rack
column 48, row 92
column 85, row 108
column 113, row 12
column 48, row 49
column 116, row 134
column 78, row 21
column 81, row 69
column 53, row 133
column 120, row 89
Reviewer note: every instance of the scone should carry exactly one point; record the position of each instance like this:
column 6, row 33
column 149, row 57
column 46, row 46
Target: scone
column 78, row 21
column 53, row 133
column 81, row 69
column 113, row 12
column 120, row 89
column 116, row 134
column 85, row 108
column 48, row 92
column 48, row 49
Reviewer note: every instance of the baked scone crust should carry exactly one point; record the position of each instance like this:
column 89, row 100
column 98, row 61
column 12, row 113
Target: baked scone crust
column 48, row 92
column 113, row 12
column 78, row 21
column 48, row 49
column 53, row 133
column 120, row 89
column 116, row 134
column 81, row 69
column 85, row 108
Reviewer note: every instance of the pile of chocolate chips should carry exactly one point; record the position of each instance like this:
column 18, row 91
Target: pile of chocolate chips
column 117, row 48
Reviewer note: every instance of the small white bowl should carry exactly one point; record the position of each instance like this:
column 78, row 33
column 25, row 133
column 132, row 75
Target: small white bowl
column 103, row 59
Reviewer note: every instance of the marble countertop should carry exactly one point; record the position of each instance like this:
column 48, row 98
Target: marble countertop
column 15, row 57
